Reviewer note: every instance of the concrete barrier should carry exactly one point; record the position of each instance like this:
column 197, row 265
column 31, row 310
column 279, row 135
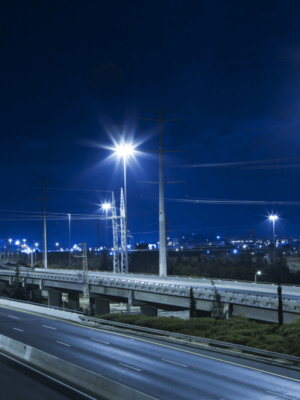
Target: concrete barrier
column 52, row 312
column 77, row 377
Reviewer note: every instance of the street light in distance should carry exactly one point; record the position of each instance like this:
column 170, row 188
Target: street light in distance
column 257, row 273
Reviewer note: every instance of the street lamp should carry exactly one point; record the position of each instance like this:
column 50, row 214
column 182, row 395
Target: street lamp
column 257, row 273
column 273, row 218
column 36, row 246
column 10, row 240
column 125, row 151
column 106, row 207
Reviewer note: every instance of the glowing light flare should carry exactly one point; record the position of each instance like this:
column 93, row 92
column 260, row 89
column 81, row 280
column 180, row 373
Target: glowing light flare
column 273, row 217
column 124, row 150
column 258, row 273
column 106, row 206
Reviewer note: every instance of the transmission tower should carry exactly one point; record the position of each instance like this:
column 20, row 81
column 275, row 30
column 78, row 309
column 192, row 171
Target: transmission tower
column 85, row 280
column 123, row 234
column 115, row 234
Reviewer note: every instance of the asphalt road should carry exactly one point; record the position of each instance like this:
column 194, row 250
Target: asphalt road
column 161, row 369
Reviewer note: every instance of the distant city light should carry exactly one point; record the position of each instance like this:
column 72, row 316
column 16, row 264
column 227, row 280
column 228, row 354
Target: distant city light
column 273, row 217
column 218, row 237
column 17, row 242
column 235, row 251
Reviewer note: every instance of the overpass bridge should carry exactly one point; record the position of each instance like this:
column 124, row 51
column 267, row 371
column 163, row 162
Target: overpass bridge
column 151, row 292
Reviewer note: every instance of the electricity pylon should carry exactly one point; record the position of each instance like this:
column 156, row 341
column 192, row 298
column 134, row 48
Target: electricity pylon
column 85, row 280
column 115, row 234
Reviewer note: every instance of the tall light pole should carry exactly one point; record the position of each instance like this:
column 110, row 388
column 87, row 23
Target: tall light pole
column 69, row 240
column 106, row 207
column 162, row 217
column 273, row 218
column 10, row 240
column 125, row 151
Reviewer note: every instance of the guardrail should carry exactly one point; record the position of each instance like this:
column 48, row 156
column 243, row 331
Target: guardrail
column 41, row 305
column 211, row 342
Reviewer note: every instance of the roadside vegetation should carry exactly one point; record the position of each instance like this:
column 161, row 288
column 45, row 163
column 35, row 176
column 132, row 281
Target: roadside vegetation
column 238, row 330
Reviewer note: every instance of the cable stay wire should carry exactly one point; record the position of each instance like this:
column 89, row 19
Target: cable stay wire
column 241, row 163
column 242, row 202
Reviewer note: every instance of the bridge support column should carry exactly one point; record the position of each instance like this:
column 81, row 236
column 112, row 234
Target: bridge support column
column 149, row 311
column 92, row 306
column 101, row 306
column 73, row 303
column 54, row 298
column 228, row 310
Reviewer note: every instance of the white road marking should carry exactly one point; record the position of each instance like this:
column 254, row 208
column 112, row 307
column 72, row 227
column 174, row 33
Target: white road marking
column 98, row 340
column 281, row 395
column 11, row 316
column 128, row 366
column 65, row 344
column 49, row 327
column 172, row 362
column 16, row 329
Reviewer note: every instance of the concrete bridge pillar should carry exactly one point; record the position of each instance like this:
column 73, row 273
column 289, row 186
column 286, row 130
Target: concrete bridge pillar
column 228, row 310
column 73, row 303
column 54, row 298
column 149, row 311
column 101, row 306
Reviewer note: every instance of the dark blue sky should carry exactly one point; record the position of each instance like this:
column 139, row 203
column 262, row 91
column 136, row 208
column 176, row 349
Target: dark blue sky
column 73, row 74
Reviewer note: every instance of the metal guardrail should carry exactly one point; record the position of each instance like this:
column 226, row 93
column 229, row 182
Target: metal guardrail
column 214, row 343
column 42, row 305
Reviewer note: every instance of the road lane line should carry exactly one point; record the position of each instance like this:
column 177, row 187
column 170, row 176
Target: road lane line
column 151, row 342
column 65, row 344
column 281, row 395
column 128, row 366
column 98, row 340
column 172, row 362
column 16, row 329
column 11, row 316
column 49, row 327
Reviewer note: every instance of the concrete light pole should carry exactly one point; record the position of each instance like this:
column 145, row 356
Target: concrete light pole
column 69, row 240
column 274, row 218
column 125, row 151
column 162, row 218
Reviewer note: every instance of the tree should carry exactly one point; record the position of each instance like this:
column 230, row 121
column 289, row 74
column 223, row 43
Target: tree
column 193, row 310
column 217, row 309
column 280, row 311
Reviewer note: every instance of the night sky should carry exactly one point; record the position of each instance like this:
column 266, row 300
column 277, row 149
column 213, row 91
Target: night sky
column 73, row 74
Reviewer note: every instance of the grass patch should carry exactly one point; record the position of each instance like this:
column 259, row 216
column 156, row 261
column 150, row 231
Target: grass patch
column 237, row 330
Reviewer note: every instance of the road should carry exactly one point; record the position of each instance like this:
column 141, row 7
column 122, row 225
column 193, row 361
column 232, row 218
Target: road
column 163, row 370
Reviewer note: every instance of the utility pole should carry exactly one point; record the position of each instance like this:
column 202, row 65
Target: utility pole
column 162, row 222
column 44, row 228
column 69, row 240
